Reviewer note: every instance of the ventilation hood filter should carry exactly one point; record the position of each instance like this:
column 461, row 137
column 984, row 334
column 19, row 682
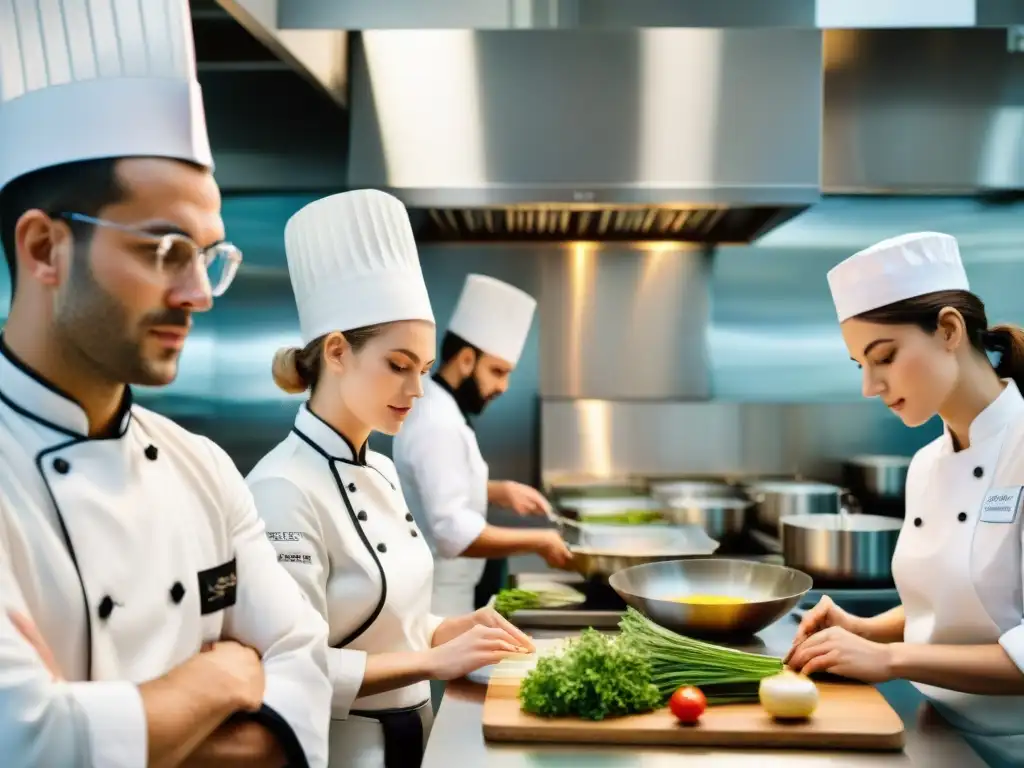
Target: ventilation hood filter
column 708, row 135
column 610, row 224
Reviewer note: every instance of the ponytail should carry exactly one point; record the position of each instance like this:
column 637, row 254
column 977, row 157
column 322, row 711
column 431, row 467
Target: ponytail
column 1008, row 341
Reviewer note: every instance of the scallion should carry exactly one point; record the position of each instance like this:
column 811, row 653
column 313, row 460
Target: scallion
column 724, row 675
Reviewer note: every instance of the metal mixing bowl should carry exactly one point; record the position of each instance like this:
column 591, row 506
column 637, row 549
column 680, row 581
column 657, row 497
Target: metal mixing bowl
column 770, row 591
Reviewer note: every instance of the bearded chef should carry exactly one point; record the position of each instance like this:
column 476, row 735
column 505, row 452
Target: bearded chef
column 923, row 342
column 130, row 549
column 334, row 509
column 439, row 461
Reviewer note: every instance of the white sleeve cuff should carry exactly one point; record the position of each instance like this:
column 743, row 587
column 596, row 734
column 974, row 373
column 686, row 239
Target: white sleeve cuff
column 433, row 622
column 1013, row 643
column 346, row 668
column 466, row 528
column 116, row 721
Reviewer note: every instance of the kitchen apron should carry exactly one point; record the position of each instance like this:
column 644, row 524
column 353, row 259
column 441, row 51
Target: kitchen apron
column 455, row 583
column 394, row 738
column 945, row 547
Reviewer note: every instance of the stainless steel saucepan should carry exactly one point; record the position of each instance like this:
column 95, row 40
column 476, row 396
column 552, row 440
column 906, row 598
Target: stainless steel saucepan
column 841, row 548
column 777, row 499
column 877, row 477
column 722, row 510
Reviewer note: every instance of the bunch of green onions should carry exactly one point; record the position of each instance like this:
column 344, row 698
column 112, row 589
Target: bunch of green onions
column 724, row 675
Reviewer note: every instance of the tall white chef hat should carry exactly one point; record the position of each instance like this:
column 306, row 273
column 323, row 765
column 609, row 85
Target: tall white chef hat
column 91, row 79
column 493, row 316
column 896, row 269
column 353, row 262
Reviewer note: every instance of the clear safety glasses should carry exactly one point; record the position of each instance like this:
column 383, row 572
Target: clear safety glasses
column 175, row 254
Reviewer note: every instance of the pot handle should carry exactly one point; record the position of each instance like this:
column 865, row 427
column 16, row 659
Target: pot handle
column 849, row 504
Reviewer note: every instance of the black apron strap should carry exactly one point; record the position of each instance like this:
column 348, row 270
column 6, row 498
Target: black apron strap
column 403, row 734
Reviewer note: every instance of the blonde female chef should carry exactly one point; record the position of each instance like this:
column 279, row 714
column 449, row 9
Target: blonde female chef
column 334, row 510
column 921, row 338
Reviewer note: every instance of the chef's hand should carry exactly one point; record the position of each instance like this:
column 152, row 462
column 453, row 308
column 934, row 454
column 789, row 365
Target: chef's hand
column 27, row 629
column 240, row 669
column 521, row 499
column 552, row 547
column 822, row 616
column 483, row 617
column 478, row 647
column 841, row 652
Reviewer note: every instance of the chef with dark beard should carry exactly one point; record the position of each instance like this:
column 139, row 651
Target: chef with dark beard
column 442, row 471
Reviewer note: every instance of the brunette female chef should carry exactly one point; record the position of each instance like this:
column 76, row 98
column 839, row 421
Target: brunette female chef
column 334, row 509
column 922, row 340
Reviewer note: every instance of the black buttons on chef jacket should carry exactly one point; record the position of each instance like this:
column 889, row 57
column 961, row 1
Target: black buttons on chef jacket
column 177, row 592
column 351, row 487
column 408, row 517
column 978, row 471
column 106, row 607
column 917, row 521
column 151, row 452
column 962, row 517
column 61, row 465
column 382, row 548
column 362, row 515
column 414, row 534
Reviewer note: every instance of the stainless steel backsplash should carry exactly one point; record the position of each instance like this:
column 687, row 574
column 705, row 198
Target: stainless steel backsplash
column 662, row 362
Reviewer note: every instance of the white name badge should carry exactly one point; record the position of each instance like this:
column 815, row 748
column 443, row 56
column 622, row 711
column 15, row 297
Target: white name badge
column 1001, row 505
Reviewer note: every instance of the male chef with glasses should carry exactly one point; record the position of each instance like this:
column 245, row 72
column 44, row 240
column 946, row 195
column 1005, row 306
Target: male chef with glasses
column 145, row 619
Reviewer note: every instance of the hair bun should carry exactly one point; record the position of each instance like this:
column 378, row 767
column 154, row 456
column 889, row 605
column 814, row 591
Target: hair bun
column 998, row 339
column 285, row 370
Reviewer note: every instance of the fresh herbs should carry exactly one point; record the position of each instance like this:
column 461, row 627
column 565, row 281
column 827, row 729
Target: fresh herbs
column 594, row 677
column 724, row 674
column 508, row 601
column 597, row 676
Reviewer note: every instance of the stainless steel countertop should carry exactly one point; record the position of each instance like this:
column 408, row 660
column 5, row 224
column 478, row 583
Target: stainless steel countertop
column 457, row 735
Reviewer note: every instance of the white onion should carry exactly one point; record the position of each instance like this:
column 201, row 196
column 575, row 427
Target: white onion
column 788, row 695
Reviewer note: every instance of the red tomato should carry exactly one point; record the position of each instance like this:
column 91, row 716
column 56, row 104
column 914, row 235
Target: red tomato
column 688, row 704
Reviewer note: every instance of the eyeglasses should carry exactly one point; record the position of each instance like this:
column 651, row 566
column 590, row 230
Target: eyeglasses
column 176, row 253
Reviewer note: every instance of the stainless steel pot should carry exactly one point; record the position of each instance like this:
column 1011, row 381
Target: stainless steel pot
column 841, row 548
column 666, row 491
column 721, row 518
column 878, row 477
column 719, row 508
column 777, row 499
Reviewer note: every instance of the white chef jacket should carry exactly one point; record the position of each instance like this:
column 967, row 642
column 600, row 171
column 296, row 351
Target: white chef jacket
column 445, row 480
column 128, row 553
column 957, row 564
column 341, row 527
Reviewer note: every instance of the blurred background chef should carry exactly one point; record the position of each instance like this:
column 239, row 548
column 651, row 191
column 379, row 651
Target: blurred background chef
column 127, row 544
column 922, row 340
column 445, row 477
column 334, row 509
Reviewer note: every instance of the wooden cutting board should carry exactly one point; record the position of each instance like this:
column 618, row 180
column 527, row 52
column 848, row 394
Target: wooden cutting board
column 850, row 716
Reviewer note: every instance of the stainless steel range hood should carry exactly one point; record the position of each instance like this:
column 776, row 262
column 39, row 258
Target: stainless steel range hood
column 595, row 129
column 696, row 134
column 631, row 14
